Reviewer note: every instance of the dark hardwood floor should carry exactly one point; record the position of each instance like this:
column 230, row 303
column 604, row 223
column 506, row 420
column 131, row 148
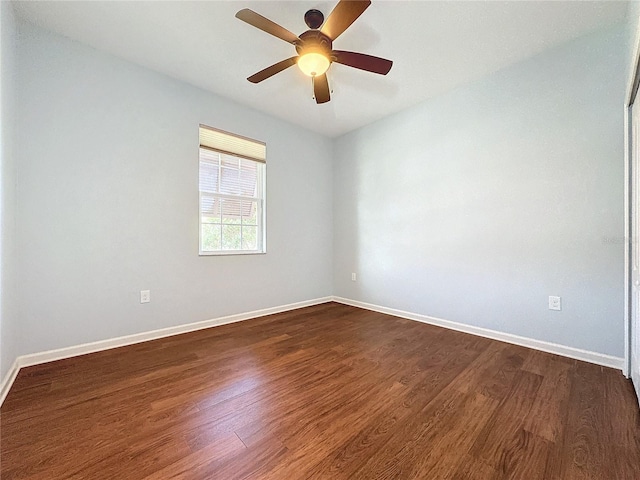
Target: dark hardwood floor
column 325, row 392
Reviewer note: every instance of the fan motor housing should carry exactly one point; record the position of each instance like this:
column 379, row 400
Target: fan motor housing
column 315, row 41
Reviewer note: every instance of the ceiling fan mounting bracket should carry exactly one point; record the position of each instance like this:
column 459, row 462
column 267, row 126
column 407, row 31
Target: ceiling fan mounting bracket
column 313, row 18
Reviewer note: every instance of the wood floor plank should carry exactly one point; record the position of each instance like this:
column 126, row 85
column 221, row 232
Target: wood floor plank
column 421, row 448
column 324, row 392
column 191, row 464
column 500, row 444
column 547, row 416
column 620, row 415
column 583, row 443
column 471, row 469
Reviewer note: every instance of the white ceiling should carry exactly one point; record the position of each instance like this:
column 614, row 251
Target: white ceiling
column 435, row 46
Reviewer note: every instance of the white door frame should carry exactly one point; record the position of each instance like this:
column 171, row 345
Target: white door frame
column 626, row 368
column 632, row 94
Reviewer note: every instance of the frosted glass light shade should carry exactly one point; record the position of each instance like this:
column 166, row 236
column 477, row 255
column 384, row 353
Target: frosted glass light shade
column 313, row 64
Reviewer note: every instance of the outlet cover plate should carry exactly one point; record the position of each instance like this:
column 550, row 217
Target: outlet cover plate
column 555, row 303
column 145, row 296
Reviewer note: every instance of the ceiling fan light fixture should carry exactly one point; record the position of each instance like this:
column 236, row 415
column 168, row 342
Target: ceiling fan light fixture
column 313, row 63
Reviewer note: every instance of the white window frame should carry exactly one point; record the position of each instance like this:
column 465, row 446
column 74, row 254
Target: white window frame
column 259, row 198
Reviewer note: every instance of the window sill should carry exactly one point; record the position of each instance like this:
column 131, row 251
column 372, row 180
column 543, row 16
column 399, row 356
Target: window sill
column 231, row 252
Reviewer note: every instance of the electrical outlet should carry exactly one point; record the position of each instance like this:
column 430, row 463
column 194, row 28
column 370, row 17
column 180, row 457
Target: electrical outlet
column 555, row 303
column 145, row 296
column 353, row 277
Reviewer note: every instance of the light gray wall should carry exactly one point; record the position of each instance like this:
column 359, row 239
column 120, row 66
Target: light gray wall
column 7, row 189
column 476, row 206
column 107, row 156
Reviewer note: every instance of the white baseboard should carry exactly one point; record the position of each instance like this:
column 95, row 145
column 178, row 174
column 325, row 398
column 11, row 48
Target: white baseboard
column 576, row 353
column 8, row 380
column 74, row 351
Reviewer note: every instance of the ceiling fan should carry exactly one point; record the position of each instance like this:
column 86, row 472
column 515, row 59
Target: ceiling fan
column 315, row 46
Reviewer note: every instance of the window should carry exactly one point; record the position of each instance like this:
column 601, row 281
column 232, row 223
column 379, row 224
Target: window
column 232, row 193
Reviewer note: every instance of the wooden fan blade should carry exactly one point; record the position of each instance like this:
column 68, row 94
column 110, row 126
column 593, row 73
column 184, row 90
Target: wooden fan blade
column 343, row 15
column 272, row 70
column 362, row 61
column 321, row 88
column 266, row 25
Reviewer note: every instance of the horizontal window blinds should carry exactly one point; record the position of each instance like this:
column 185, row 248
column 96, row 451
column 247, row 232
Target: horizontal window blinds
column 229, row 143
column 226, row 174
